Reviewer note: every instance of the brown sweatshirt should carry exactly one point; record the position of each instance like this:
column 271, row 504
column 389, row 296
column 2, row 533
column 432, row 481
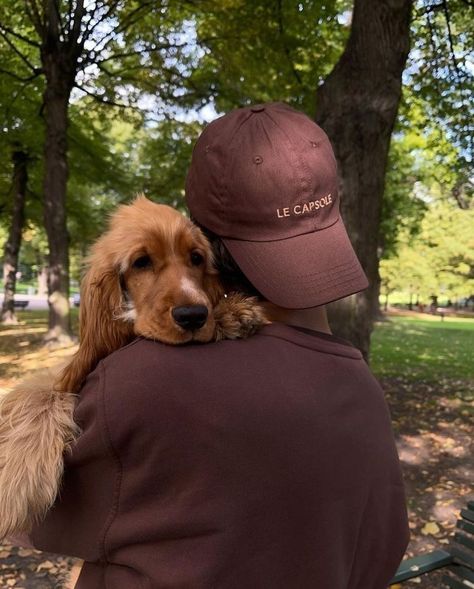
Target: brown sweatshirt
column 267, row 463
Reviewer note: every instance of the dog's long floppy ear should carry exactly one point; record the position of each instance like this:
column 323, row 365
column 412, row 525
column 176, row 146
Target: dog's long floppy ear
column 212, row 283
column 101, row 329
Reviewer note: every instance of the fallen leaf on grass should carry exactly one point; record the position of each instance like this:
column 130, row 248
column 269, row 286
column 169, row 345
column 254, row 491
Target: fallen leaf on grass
column 430, row 528
column 47, row 564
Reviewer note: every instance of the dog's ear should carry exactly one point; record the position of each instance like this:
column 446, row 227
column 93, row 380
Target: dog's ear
column 101, row 328
column 212, row 283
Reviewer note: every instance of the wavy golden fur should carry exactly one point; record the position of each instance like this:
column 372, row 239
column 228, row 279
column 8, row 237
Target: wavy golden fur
column 151, row 261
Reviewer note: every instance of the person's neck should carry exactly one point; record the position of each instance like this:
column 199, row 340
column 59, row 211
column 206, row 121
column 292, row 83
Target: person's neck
column 314, row 318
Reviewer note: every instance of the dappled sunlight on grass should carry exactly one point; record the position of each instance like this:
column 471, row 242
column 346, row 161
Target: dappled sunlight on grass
column 427, row 370
column 413, row 450
column 438, row 473
column 20, row 330
column 433, row 426
column 22, row 350
column 423, row 349
column 20, row 365
column 419, row 449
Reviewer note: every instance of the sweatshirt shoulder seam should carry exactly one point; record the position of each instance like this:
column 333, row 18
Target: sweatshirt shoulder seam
column 351, row 353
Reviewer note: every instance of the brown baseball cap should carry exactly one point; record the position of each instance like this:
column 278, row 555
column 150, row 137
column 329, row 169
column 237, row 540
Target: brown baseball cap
column 264, row 179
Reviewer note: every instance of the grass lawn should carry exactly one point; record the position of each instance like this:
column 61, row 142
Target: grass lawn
column 415, row 348
column 424, row 349
column 22, row 350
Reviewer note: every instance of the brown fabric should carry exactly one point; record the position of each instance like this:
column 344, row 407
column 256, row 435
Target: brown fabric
column 264, row 178
column 263, row 463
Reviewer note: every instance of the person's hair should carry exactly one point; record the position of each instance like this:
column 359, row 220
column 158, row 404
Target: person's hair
column 232, row 277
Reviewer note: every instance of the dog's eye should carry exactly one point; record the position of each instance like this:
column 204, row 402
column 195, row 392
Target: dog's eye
column 142, row 262
column 196, row 258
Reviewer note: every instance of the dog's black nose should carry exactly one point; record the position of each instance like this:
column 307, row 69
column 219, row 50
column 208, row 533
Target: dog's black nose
column 191, row 318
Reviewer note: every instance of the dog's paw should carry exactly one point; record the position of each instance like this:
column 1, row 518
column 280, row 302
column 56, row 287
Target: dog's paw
column 238, row 316
column 36, row 427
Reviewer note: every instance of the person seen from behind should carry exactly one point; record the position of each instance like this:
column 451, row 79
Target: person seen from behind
column 264, row 463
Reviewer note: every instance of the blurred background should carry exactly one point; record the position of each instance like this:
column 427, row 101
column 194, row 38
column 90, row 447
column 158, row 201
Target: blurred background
column 100, row 100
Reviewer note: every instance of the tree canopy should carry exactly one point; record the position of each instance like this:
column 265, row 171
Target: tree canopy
column 143, row 77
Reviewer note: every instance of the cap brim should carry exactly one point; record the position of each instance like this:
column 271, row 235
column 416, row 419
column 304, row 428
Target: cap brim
column 303, row 271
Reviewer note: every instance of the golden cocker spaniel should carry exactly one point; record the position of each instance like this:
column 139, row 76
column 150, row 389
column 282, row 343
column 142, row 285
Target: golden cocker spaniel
column 152, row 275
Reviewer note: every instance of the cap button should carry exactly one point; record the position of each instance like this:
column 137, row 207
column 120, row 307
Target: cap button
column 257, row 108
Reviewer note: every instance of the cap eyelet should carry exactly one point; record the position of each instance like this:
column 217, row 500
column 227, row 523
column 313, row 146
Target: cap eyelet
column 207, row 149
column 258, row 159
column 314, row 144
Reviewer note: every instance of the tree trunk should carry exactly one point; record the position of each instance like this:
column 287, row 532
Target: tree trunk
column 56, row 100
column 357, row 107
column 12, row 245
column 42, row 280
column 60, row 51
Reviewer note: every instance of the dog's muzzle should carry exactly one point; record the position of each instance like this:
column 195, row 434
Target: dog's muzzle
column 190, row 318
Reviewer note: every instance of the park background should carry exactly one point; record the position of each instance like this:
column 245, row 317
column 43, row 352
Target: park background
column 101, row 99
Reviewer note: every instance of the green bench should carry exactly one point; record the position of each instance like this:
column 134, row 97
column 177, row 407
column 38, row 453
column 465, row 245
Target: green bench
column 20, row 304
column 457, row 561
